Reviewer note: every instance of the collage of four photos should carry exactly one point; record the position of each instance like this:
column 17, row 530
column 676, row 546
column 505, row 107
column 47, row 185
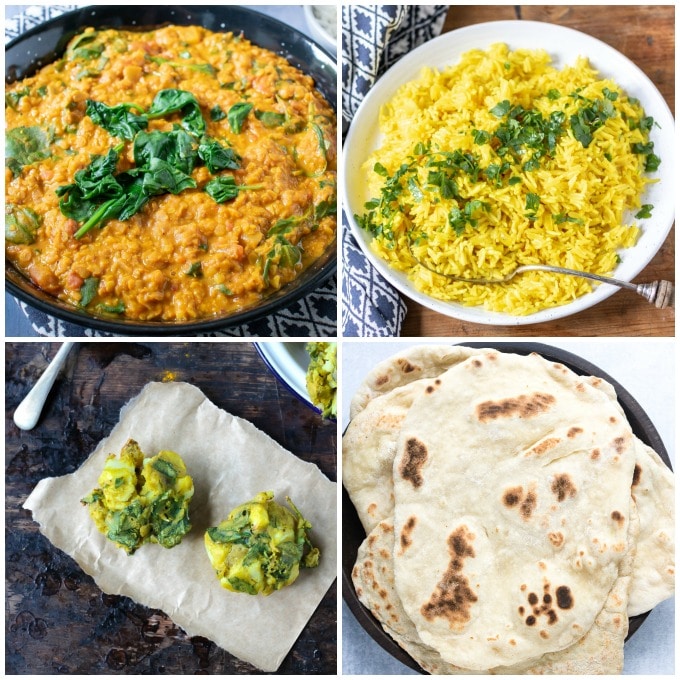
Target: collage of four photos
column 340, row 339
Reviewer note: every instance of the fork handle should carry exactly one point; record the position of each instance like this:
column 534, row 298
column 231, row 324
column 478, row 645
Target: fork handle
column 659, row 293
column 574, row 272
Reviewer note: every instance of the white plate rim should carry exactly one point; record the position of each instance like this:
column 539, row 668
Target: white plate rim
column 563, row 44
column 287, row 363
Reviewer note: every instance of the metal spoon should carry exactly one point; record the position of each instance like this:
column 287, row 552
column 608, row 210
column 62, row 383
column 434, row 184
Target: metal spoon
column 29, row 410
column 659, row 293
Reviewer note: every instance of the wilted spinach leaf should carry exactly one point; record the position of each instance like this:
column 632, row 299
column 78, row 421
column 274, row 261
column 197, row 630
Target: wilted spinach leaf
column 173, row 100
column 88, row 291
column 237, row 115
column 118, row 120
column 176, row 147
column 21, row 224
column 224, row 188
column 24, row 146
column 218, row 157
column 270, row 119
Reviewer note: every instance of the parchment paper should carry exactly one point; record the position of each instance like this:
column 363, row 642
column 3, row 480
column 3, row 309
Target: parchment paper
column 230, row 461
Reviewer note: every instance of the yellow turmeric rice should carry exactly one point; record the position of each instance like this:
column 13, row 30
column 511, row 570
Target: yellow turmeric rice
column 503, row 160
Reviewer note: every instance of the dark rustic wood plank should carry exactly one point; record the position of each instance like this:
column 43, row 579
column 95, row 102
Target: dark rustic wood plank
column 57, row 620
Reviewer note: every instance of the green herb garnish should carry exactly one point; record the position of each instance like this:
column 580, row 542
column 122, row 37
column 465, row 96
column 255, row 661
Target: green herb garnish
column 88, row 291
column 224, row 188
column 21, row 224
column 25, row 146
column 237, row 114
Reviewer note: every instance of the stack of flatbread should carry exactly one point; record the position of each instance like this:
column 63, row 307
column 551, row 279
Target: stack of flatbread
column 514, row 521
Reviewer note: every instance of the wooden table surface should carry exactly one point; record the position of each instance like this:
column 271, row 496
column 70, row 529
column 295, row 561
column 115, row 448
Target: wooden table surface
column 57, row 619
column 646, row 35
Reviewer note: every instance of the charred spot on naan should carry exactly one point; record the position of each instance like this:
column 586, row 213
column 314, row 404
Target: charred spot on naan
column 620, row 445
column 563, row 487
column 523, row 406
column 556, row 538
column 402, row 366
column 453, row 597
column 637, row 474
column 525, row 502
column 406, row 533
column 432, row 387
column 565, row 599
column 405, row 366
column 512, row 497
column 412, row 461
column 541, row 607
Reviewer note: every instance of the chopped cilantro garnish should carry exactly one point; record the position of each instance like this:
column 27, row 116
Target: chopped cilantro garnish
column 501, row 109
column 645, row 212
column 590, row 118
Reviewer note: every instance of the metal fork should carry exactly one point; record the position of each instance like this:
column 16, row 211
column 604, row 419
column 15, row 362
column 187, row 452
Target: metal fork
column 659, row 293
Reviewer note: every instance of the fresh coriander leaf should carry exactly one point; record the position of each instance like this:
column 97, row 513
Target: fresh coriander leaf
column 652, row 162
column 501, row 109
column 195, row 270
column 645, row 211
column 481, row 136
column 533, row 201
column 561, row 218
column 380, row 169
column 642, row 147
column 415, row 190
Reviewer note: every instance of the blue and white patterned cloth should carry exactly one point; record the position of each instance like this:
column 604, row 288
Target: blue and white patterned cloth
column 374, row 37
column 314, row 315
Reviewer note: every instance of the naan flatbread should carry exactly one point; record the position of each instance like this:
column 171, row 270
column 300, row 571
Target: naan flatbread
column 599, row 652
column 510, row 540
column 370, row 445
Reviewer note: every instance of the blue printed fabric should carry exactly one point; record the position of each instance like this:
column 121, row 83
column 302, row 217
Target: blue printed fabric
column 374, row 37
column 371, row 307
column 314, row 315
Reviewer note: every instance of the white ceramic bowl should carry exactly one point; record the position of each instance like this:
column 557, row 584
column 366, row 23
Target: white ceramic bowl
column 320, row 26
column 288, row 361
column 564, row 45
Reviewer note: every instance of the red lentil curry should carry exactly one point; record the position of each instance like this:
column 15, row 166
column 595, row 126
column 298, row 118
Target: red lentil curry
column 168, row 175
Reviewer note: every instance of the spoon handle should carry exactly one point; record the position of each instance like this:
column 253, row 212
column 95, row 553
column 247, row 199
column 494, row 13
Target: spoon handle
column 29, row 410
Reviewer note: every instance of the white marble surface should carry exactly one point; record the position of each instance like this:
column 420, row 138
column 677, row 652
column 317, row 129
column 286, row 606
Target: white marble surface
column 646, row 368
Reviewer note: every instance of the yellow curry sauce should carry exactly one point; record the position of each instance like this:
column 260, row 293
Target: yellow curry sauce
column 182, row 256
